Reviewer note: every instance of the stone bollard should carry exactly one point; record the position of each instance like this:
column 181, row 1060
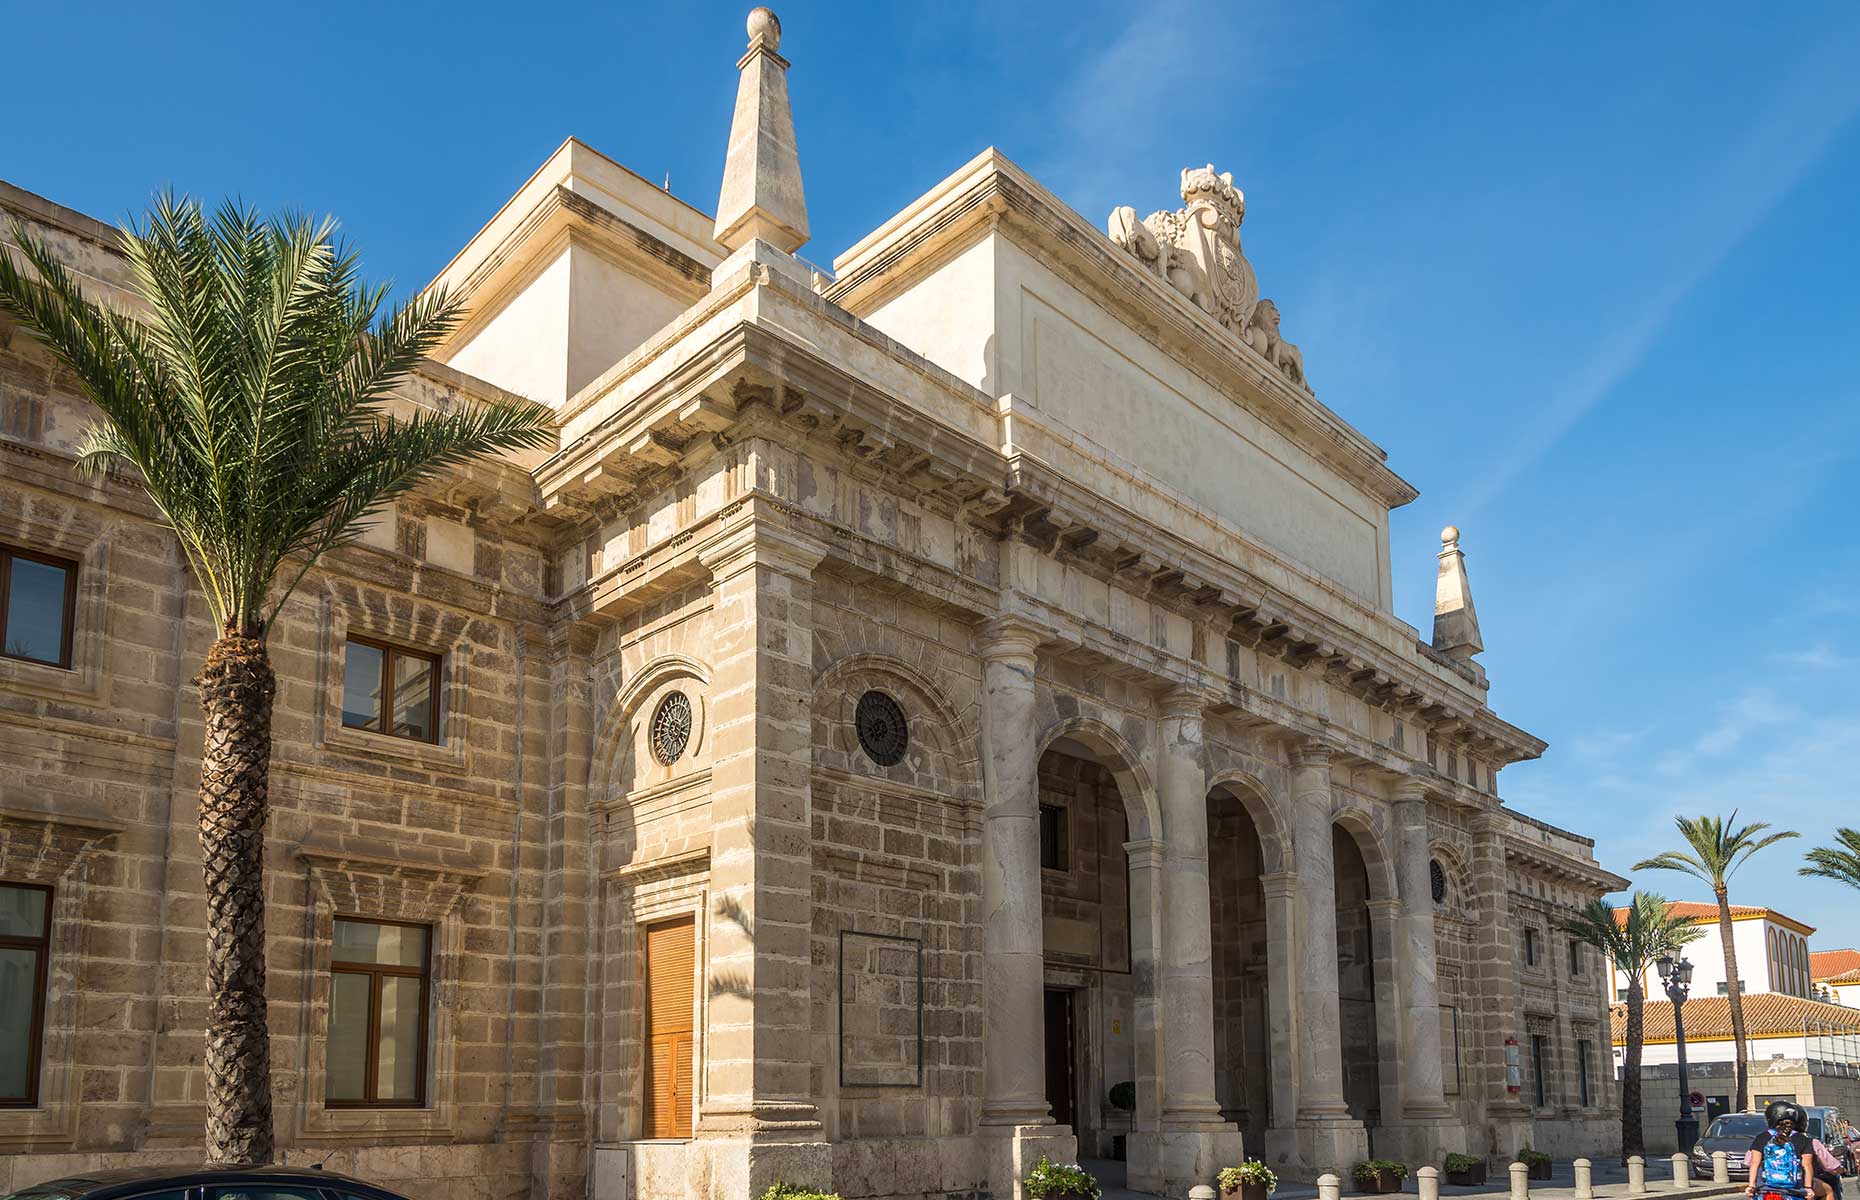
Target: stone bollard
column 1427, row 1182
column 1682, row 1172
column 1329, row 1187
column 1201, row 1191
column 1585, row 1181
column 1520, row 1182
column 1720, row 1167
column 1637, row 1176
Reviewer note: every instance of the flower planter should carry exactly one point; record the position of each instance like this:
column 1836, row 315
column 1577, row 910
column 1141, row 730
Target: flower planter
column 1539, row 1170
column 1381, row 1183
column 1246, row 1191
column 1470, row 1177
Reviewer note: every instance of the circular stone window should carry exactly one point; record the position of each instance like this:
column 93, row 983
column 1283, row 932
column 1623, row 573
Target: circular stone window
column 671, row 728
column 1437, row 880
column 884, row 735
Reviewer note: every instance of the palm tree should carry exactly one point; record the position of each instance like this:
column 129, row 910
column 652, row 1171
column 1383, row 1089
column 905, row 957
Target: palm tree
column 1719, row 847
column 248, row 393
column 1841, row 864
column 1643, row 932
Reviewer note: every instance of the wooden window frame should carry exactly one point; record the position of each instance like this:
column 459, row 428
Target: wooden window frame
column 384, row 722
column 1584, row 1064
column 42, row 946
column 1540, row 1068
column 1575, row 959
column 376, row 972
column 647, row 1109
column 1530, row 946
column 67, row 631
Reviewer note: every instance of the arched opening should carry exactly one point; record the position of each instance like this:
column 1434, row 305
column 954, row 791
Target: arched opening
column 1097, row 949
column 1242, row 1041
column 1356, row 981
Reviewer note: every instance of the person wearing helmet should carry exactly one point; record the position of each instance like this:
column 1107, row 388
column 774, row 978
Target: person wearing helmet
column 1782, row 1159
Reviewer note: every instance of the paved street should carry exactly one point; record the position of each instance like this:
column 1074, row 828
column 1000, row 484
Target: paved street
column 1609, row 1181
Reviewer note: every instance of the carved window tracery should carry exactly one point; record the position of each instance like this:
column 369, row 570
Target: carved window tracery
column 1437, row 880
column 671, row 728
column 884, row 734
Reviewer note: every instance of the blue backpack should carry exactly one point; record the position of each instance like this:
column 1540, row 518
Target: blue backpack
column 1781, row 1165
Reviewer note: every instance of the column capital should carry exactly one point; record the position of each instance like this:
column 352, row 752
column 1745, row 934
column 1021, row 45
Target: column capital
column 1010, row 636
column 1146, row 853
column 1279, row 885
column 758, row 541
column 1309, row 753
column 1185, row 700
column 1488, row 821
column 1407, row 790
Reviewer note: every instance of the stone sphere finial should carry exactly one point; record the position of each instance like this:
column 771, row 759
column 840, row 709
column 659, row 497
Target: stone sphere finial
column 1450, row 535
column 764, row 27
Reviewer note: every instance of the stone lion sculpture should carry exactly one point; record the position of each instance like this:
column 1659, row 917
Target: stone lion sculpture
column 1262, row 333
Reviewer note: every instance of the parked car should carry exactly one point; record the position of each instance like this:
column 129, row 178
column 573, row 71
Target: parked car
column 1733, row 1133
column 207, row 1183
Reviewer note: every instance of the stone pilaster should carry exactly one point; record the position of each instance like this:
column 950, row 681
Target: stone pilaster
column 1423, row 1096
column 1015, row 1116
column 1326, row 1132
column 1194, row 1142
column 1496, row 983
column 1280, row 892
column 758, row 1121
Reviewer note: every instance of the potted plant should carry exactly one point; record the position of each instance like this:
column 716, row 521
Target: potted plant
column 1378, row 1176
column 1251, row 1180
column 782, row 1190
column 1053, row 1181
column 1465, row 1170
column 1123, row 1096
column 1538, row 1162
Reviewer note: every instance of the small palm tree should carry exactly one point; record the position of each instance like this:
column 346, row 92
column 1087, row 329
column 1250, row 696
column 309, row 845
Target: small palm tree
column 248, row 394
column 1645, row 931
column 1718, row 847
column 1841, row 863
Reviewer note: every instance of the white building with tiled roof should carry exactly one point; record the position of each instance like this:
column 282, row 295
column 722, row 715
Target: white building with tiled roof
column 1836, row 973
column 1772, row 953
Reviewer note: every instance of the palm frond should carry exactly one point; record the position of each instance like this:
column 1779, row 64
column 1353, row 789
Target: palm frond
column 1840, row 863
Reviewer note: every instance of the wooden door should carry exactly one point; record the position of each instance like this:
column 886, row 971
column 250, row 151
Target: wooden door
column 1060, row 1085
column 671, row 969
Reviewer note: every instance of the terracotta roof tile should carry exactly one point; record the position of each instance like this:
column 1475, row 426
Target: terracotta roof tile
column 1701, row 913
column 1826, row 964
column 1766, row 1014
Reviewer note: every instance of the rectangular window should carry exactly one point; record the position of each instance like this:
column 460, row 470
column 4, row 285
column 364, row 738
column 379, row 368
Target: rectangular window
column 1582, row 1072
column 25, row 944
column 1540, row 1057
column 1725, row 988
column 1530, row 947
column 671, row 971
column 38, row 598
column 1621, row 994
column 377, row 1014
column 390, row 689
column 1575, row 960
column 1054, row 852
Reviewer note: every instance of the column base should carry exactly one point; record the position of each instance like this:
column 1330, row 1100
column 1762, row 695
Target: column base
column 1314, row 1145
column 729, row 1166
column 1010, row 1151
column 1510, row 1132
column 1423, row 1137
column 1168, row 1162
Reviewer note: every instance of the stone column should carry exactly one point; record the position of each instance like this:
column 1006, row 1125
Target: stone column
column 1194, row 1141
column 758, row 1121
column 1015, row 1115
column 1280, row 890
column 1327, row 1133
column 1423, row 1096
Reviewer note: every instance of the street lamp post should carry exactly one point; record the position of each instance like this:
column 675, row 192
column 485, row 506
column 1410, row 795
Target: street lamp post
column 1677, row 976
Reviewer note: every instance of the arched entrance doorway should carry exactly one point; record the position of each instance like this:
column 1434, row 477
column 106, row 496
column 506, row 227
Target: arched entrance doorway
column 1242, row 1045
column 1356, row 981
column 1095, row 910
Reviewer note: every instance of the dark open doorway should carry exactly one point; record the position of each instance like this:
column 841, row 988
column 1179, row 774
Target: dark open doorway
column 1061, row 1085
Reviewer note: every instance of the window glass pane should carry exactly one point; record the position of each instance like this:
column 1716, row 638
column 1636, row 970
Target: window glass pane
column 413, row 696
column 361, row 685
column 397, row 1070
column 390, row 945
column 346, row 1067
column 250, row 1192
column 22, row 912
column 35, row 611
column 19, row 986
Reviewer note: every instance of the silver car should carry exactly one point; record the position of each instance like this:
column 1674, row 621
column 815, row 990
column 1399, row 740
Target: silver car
column 1733, row 1133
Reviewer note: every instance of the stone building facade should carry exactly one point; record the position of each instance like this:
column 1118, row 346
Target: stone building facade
column 980, row 666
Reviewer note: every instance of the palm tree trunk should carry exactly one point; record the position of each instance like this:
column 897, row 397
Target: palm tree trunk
column 1633, row 1137
column 1735, row 994
column 236, row 689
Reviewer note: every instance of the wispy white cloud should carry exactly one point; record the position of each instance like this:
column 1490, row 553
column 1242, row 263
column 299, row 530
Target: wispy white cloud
column 1755, row 174
column 1818, row 657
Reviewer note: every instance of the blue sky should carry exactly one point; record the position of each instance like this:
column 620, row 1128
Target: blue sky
column 1587, row 272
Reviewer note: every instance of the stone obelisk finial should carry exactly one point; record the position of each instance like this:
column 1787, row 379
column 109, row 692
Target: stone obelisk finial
column 1456, row 624
column 761, row 196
